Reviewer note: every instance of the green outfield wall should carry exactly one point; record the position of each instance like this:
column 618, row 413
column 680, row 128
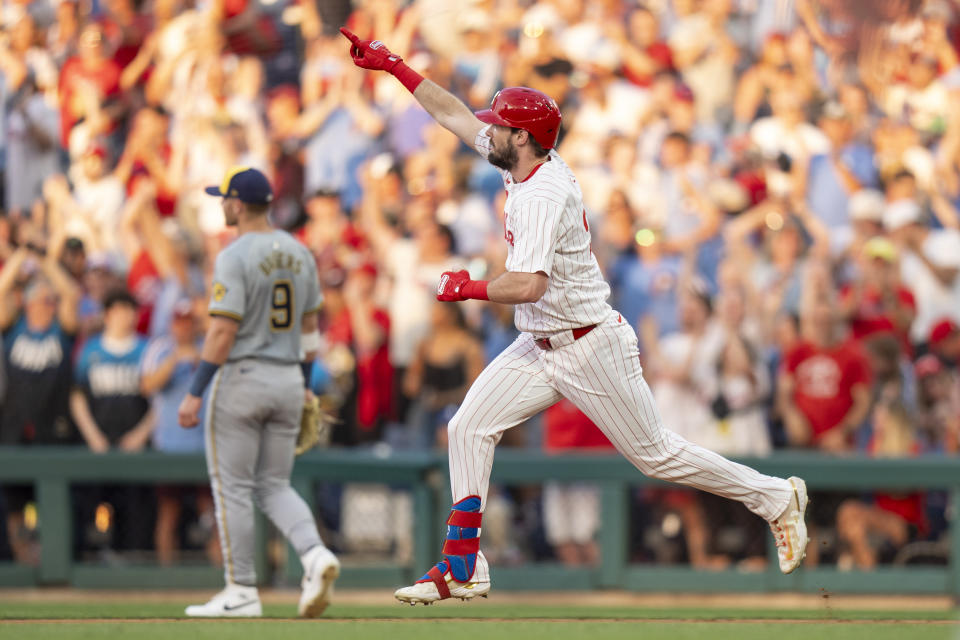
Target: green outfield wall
column 52, row 471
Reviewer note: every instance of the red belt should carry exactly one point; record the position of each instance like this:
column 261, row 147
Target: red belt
column 546, row 345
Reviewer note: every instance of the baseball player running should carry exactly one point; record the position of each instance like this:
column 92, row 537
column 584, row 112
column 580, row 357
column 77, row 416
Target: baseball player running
column 572, row 344
column 258, row 348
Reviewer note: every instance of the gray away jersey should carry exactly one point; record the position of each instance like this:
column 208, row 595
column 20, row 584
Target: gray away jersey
column 265, row 281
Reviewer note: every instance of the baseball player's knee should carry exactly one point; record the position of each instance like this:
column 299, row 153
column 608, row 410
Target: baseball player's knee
column 653, row 459
column 659, row 458
column 263, row 493
column 655, row 465
column 240, row 485
column 459, row 430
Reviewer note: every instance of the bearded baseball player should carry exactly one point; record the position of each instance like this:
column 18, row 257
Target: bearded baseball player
column 263, row 309
column 572, row 344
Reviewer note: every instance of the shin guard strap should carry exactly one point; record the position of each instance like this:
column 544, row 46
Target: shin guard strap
column 440, row 581
column 468, row 519
column 466, row 547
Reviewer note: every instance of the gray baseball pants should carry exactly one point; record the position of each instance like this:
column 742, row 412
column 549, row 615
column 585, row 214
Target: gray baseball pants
column 253, row 418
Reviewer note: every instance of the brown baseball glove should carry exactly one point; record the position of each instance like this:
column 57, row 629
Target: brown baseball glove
column 316, row 425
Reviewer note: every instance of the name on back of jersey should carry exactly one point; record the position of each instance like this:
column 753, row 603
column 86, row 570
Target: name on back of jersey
column 280, row 260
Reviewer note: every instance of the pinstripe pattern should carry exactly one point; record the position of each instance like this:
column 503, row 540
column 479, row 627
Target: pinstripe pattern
column 509, row 390
column 544, row 215
column 600, row 373
column 611, row 390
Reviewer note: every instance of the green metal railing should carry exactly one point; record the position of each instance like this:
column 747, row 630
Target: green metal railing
column 52, row 471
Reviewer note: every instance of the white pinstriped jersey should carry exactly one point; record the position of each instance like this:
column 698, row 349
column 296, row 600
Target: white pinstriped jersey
column 545, row 226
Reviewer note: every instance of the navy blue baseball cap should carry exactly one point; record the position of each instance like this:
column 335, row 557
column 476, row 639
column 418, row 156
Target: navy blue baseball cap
column 246, row 184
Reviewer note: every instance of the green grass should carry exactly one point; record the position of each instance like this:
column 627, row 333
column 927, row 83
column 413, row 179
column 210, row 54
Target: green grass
column 35, row 621
column 220, row 630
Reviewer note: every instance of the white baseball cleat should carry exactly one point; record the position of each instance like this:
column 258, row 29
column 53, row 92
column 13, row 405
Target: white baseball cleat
column 790, row 529
column 320, row 569
column 426, row 592
column 235, row 601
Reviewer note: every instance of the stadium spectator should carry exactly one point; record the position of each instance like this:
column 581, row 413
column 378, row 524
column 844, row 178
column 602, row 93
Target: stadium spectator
column 166, row 370
column 771, row 71
column 643, row 52
column 824, row 382
column 146, row 252
column 89, row 89
column 736, row 381
column 690, row 222
column 116, row 113
column 445, row 364
column 944, row 341
column 865, row 211
column 148, row 155
column 845, row 169
column 892, row 519
column 342, row 136
column 23, row 58
column 125, row 28
column 91, row 209
column 878, row 301
column 107, row 404
column 930, row 262
column 645, row 287
column 786, row 130
column 921, row 97
column 62, row 37
column 414, row 265
column 679, row 371
column 31, row 147
column 705, row 55
column 360, row 330
column 39, row 321
column 938, row 406
column 571, row 512
column 111, row 412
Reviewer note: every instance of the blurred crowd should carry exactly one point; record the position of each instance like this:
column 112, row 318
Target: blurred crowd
column 773, row 188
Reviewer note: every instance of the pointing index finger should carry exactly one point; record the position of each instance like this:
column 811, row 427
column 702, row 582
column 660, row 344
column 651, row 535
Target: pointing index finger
column 349, row 35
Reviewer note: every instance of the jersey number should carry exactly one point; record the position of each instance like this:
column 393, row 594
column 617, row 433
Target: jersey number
column 281, row 314
column 507, row 235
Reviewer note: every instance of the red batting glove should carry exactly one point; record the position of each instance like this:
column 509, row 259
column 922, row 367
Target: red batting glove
column 456, row 286
column 370, row 54
column 451, row 283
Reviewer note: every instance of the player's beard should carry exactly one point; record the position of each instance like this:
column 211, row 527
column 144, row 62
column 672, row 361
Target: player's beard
column 505, row 158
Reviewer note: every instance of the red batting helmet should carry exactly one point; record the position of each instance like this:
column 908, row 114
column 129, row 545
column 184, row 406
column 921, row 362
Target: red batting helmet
column 523, row 108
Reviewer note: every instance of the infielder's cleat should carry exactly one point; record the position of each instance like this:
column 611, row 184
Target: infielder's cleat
column 790, row 529
column 427, row 592
column 320, row 569
column 235, row 601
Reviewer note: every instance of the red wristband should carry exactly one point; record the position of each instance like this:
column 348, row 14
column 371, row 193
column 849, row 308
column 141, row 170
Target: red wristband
column 407, row 76
column 474, row 289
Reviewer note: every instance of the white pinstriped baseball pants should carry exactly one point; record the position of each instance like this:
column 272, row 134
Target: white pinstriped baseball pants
column 601, row 374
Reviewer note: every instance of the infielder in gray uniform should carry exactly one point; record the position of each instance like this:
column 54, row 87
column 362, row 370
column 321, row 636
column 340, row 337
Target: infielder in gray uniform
column 260, row 343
